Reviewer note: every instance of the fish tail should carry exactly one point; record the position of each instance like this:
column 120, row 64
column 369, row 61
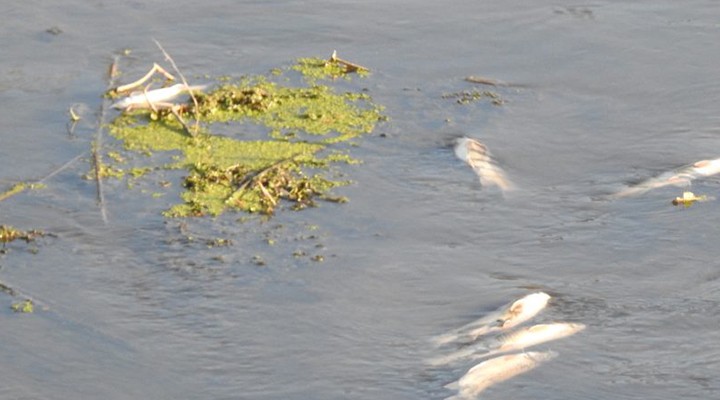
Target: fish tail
column 453, row 385
column 444, row 339
column 452, row 357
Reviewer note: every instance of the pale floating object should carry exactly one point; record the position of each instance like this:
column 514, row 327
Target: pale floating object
column 522, row 339
column 477, row 155
column 688, row 199
column 496, row 370
column 157, row 96
column 680, row 177
column 505, row 318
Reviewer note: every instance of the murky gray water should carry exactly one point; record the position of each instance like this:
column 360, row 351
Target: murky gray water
column 611, row 92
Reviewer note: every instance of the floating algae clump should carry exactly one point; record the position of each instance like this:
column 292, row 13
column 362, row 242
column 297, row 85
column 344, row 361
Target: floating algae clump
column 9, row 234
column 25, row 307
column 314, row 68
column 225, row 172
column 315, row 110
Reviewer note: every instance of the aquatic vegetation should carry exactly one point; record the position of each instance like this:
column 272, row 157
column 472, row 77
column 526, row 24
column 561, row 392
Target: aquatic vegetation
column 314, row 69
column 471, row 96
column 9, row 234
column 288, row 111
column 26, row 306
column 19, row 188
column 231, row 173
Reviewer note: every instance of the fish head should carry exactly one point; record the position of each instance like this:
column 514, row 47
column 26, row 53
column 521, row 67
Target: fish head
column 527, row 306
column 707, row 167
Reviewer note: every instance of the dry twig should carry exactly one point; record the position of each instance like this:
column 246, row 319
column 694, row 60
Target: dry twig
column 130, row 86
column 187, row 86
column 349, row 66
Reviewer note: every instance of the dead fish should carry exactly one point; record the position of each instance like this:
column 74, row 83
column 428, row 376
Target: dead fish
column 680, row 177
column 505, row 318
column 145, row 99
column 477, row 155
column 496, row 370
column 522, row 339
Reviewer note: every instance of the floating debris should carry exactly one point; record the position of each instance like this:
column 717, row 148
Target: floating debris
column 496, row 370
column 483, row 81
column 504, row 318
column 5, row 288
column 477, row 155
column 9, row 234
column 314, row 69
column 25, row 307
column 155, row 69
column 470, row 96
column 225, row 172
column 15, row 189
column 492, row 82
column 680, row 177
column 689, row 198
column 349, row 66
column 73, row 116
column 519, row 340
column 55, row 30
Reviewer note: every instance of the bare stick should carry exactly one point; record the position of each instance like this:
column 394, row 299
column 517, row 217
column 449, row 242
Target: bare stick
column 349, row 66
column 97, row 159
column 130, row 86
column 266, row 193
column 482, row 80
column 97, row 163
column 187, row 86
column 63, row 167
column 174, row 111
column 22, row 186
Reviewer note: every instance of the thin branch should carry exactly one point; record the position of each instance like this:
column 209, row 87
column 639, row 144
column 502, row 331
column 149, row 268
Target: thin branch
column 61, row 168
column 97, row 145
column 130, row 86
column 349, row 66
column 22, row 186
column 187, row 86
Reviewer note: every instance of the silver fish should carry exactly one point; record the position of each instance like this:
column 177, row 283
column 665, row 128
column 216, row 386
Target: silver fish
column 477, row 155
column 522, row 339
column 496, row 370
column 680, row 177
column 145, row 99
column 504, row 318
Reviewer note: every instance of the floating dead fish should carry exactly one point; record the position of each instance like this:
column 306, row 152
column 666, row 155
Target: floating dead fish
column 477, row 155
column 522, row 339
column 506, row 317
column 496, row 370
column 680, row 177
column 157, row 96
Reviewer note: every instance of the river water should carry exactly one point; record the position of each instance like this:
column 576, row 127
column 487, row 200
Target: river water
column 602, row 94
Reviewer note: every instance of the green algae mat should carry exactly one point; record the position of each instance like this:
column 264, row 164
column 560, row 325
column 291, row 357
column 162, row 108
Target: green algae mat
column 303, row 118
